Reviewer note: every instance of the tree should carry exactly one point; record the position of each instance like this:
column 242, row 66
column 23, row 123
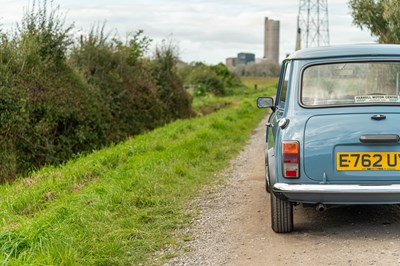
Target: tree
column 380, row 17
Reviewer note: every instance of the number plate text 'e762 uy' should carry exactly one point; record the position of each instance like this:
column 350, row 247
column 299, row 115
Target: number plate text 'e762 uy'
column 359, row 161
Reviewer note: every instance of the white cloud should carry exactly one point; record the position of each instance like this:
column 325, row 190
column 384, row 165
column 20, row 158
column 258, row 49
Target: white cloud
column 206, row 30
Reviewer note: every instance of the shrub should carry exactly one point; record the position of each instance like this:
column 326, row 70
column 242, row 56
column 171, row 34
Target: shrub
column 229, row 78
column 128, row 95
column 55, row 115
column 175, row 101
column 213, row 79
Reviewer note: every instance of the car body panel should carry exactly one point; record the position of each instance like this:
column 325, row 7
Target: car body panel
column 325, row 135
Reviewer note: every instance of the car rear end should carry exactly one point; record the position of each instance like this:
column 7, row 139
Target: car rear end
column 347, row 127
column 336, row 137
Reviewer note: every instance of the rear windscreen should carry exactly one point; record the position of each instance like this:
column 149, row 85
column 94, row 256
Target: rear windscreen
column 351, row 84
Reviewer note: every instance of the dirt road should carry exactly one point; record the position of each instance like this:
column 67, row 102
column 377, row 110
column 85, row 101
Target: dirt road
column 234, row 227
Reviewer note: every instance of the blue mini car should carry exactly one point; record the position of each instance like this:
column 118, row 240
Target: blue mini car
column 333, row 135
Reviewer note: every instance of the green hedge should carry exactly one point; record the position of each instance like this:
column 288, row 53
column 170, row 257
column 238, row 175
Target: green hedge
column 59, row 97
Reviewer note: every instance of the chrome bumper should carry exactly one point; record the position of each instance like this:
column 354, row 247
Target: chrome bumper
column 339, row 194
column 335, row 189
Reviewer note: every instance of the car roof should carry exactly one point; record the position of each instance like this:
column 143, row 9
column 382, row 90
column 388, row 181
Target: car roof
column 353, row 50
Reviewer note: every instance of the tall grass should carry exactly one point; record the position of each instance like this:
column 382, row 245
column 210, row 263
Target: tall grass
column 119, row 205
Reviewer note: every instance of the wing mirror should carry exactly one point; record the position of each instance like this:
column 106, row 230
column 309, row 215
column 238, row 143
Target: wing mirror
column 266, row 102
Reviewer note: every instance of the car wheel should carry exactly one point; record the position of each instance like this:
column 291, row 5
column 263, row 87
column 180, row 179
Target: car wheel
column 281, row 215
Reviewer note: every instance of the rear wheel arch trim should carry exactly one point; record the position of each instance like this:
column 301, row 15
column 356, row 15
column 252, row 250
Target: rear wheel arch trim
column 271, row 172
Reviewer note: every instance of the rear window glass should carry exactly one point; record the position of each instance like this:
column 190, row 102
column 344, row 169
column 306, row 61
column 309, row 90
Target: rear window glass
column 351, row 84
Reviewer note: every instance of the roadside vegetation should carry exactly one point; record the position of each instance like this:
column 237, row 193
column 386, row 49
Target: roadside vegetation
column 202, row 80
column 61, row 96
column 119, row 205
column 215, row 87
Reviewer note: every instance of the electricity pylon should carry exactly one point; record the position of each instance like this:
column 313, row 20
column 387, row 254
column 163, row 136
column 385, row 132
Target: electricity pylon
column 312, row 24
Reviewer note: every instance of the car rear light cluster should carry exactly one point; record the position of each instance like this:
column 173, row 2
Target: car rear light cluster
column 291, row 154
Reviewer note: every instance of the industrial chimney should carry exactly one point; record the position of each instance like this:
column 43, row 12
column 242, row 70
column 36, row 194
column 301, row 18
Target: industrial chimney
column 271, row 40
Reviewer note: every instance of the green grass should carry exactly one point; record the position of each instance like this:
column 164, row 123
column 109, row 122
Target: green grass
column 120, row 205
column 262, row 83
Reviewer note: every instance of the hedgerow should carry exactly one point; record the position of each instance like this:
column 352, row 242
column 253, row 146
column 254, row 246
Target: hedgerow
column 60, row 97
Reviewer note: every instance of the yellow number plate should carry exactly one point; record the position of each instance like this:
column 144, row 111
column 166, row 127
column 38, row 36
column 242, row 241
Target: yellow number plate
column 359, row 161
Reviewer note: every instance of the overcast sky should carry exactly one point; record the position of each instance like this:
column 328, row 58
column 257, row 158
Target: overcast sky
column 205, row 30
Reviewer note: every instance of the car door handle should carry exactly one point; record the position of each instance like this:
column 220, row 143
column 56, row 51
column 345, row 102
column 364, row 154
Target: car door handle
column 380, row 138
column 378, row 117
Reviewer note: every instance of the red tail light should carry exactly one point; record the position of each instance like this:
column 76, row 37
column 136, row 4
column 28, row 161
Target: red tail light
column 290, row 154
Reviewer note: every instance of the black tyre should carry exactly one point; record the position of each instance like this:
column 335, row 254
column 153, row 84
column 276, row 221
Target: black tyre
column 281, row 215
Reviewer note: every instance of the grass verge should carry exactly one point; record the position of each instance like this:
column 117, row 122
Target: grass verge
column 119, row 205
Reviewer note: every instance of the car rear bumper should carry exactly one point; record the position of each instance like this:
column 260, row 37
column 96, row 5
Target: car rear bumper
column 339, row 193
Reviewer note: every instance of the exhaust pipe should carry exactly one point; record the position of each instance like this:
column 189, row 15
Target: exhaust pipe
column 321, row 207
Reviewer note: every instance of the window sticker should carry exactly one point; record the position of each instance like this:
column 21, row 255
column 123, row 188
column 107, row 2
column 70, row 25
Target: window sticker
column 377, row 99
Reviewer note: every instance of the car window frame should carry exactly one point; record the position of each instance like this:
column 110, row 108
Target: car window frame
column 286, row 68
column 354, row 60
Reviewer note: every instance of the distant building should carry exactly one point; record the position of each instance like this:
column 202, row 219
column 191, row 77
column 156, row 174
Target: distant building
column 245, row 58
column 230, row 62
column 271, row 40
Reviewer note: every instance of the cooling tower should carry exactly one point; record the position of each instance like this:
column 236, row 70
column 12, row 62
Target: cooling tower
column 271, row 40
